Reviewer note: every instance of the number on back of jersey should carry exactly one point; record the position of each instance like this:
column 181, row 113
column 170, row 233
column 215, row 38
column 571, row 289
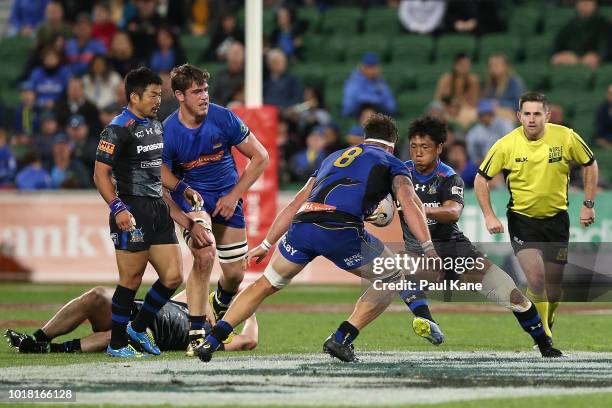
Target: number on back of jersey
column 383, row 214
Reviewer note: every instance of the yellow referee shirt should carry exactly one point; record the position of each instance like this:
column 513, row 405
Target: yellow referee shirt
column 537, row 172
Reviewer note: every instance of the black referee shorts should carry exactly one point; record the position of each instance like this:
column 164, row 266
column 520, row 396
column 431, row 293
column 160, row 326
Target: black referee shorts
column 550, row 235
column 153, row 225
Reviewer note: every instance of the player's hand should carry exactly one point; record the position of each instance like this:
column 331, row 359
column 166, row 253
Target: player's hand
column 125, row 221
column 200, row 237
column 194, row 198
column 226, row 206
column 258, row 253
column 494, row 225
column 587, row 216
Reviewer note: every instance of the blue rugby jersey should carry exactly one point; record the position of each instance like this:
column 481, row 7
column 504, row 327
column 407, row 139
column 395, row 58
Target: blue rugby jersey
column 202, row 156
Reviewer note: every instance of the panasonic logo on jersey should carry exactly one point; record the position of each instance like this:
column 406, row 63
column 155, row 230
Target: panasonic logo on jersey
column 147, row 148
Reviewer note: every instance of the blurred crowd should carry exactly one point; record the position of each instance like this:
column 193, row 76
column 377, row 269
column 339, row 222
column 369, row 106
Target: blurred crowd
column 71, row 85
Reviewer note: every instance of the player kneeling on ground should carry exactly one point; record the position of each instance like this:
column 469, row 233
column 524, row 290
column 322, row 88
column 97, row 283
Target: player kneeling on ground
column 326, row 218
column 169, row 328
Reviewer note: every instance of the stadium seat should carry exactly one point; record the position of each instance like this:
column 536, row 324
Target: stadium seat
column 565, row 98
column 382, row 20
column 413, row 104
column 10, row 95
column 195, row 46
column 450, row 45
column 355, row 47
column 336, row 75
column 13, row 49
column 603, row 77
column 333, row 100
column 412, row 49
column 311, row 16
column 534, row 75
column 399, row 77
column 604, row 156
column 309, row 73
column 341, row 20
column 213, row 68
column 585, row 127
column 427, row 77
column 555, row 18
column 538, row 48
column 323, row 49
column 524, row 20
column 509, row 44
column 571, row 77
column 586, row 103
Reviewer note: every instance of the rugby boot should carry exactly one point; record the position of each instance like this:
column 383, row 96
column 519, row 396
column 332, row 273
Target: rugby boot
column 193, row 345
column 217, row 307
column 547, row 350
column 205, row 351
column 144, row 339
column 125, row 352
column 194, row 342
column 30, row 346
column 343, row 352
column 14, row 338
column 428, row 330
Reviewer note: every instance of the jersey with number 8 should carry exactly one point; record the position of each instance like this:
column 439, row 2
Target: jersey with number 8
column 354, row 180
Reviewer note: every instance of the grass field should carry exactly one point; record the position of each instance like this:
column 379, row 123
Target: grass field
column 486, row 361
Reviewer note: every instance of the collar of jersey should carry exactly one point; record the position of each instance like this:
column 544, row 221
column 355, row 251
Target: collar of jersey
column 425, row 177
column 130, row 114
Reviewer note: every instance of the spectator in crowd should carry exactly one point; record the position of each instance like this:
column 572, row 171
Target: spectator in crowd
column 33, row 176
column 83, row 144
column 100, row 82
column 26, row 16
column 603, row 122
column 281, row 88
column 8, row 164
column 50, row 80
column 67, row 172
column 476, row 17
column 121, row 54
column 103, row 28
column 460, row 85
column 584, row 39
column 367, row 86
column 355, row 133
column 557, row 116
column 53, row 26
column 489, row 129
column 42, row 141
column 222, row 37
column 168, row 103
column 168, row 52
column 503, row 86
column 310, row 113
column 231, row 78
column 81, row 49
column 142, row 28
column 26, row 114
column 457, row 157
column 305, row 162
column 287, row 35
column 108, row 113
column 422, row 17
column 75, row 103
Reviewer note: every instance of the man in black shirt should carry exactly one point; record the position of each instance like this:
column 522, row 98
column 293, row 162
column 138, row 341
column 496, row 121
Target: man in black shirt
column 169, row 328
column 127, row 174
column 441, row 191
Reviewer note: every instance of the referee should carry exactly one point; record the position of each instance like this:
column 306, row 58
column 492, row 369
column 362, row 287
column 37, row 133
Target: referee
column 534, row 159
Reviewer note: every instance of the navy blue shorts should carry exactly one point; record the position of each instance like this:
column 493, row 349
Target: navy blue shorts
column 347, row 246
column 210, row 201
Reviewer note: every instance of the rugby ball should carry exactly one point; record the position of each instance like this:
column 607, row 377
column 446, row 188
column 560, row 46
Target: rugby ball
column 383, row 214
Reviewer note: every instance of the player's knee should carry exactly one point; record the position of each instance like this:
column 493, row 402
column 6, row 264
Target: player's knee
column 274, row 278
column 173, row 280
column 203, row 260
column 96, row 298
column 518, row 302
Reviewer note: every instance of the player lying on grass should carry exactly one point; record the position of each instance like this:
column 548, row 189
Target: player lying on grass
column 326, row 218
column 441, row 191
column 170, row 327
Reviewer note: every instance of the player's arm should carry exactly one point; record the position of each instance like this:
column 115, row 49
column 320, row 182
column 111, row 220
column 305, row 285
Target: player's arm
column 106, row 154
column 580, row 152
column 197, row 231
column 172, row 183
column 253, row 150
column 451, row 196
column 413, row 212
column 489, row 168
column 281, row 223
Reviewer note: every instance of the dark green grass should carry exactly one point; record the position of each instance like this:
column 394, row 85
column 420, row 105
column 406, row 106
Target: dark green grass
column 282, row 332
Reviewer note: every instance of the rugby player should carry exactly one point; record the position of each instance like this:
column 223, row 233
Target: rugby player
column 326, row 218
column 534, row 159
column 127, row 175
column 441, row 191
column 198, row 139
column 169, row 328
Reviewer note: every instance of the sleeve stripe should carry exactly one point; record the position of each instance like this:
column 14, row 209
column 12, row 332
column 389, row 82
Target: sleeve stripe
column 588, row 151
column 587, row 164
column 485, row 175
column 486, row 167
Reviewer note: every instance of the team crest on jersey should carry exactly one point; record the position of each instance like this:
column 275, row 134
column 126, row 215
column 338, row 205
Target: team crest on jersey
column 115, row 237
column 137, row 235
column 433, row 188
column 157, row 128
column 456, row 190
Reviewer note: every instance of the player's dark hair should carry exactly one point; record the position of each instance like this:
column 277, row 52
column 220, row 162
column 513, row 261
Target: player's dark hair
column 428, row 126
column 379, row 126
column 534, row 97
column 183, row 76
column 137, row 80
